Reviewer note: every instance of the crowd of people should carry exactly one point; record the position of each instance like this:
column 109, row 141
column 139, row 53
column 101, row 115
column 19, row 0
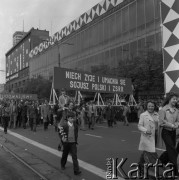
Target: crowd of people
column 68, row 117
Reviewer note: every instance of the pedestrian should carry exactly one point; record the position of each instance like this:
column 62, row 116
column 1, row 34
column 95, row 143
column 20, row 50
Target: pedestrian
column 11, row 114
column 55, row 111
column 169, row 123
column 32, row 112
column 148, row 125
column 6, row 115
column 19, row 111
column 99, row 118
column 126, row 111
column 45, row 112
column 92, row 115
column 23, row 114
column 14, row 113
column 109, row 114
column 69, row 135
column 82, row 117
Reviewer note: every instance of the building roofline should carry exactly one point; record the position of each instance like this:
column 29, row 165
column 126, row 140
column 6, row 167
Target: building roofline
column 87, row 17
column 19, row 32
column 19, row 41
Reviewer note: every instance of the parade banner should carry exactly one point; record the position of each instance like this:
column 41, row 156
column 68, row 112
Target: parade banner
column 170, row 37
column 86, row 81
column 18, row 96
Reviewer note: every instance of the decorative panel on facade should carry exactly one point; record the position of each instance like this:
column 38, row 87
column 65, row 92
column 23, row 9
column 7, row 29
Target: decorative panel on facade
column 170, row 24
column 85, row 18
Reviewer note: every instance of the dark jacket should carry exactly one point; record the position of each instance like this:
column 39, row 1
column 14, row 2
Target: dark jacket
column 64, row 129
column 23, row 110
column 6, row 111
column 32, row 111
column 110, row 113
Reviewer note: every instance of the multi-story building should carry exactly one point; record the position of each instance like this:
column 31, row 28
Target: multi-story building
column 17, row 36
column 17, row 59
column 1, row 88
column 111, row 31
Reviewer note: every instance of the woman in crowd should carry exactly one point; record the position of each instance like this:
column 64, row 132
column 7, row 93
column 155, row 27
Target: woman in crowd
column 168, row 123
column 148, row 124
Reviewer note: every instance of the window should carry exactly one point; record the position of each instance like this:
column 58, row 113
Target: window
column 141, row 47
column 118, row 24
column 106, row 30
column 132, row 16
column 126, row 52
column 113, row 57
column 150, row 42
column 157, row 8
column 149, row 10
column 133, row 50
column 119, row 53
column 140, row 13
column 125, row 19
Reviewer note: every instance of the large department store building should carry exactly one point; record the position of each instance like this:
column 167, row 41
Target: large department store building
column 111, row 31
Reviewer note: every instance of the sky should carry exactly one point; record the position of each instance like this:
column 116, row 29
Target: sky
column 51, row 15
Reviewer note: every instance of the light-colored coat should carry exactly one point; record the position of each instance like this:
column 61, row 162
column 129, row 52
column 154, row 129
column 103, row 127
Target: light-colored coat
column 63, row 100
column 167, row 117
column 147, row 122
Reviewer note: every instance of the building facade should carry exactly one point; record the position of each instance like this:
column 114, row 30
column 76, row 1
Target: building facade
column 111, row 31
column 17, row 59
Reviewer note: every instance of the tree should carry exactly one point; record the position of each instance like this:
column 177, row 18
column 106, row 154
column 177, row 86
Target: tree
column 39, row 86
column 146, row 71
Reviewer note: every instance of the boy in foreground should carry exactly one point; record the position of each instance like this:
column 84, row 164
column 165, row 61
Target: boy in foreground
column 69, row 134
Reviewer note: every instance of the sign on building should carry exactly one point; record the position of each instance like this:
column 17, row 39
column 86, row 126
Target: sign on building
column 18, row 96
column 86, row 81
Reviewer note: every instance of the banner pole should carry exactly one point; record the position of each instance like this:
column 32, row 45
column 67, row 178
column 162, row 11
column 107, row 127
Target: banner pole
column 51, row 94
column 95, row 96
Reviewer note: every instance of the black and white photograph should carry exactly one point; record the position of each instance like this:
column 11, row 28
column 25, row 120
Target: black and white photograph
column 89, row 89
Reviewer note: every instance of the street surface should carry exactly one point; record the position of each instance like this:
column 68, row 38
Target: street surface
column 95, row 146
column 12, row 169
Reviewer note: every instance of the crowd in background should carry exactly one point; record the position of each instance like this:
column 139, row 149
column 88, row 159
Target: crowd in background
column 23, row 114
column 31, row 114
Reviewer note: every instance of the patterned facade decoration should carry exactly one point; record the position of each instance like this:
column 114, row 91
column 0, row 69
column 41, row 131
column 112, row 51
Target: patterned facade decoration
column 85, row 18
column 170, row 28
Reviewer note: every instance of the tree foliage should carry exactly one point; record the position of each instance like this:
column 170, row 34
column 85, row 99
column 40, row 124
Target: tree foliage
column 39, row 86
column 146, row 71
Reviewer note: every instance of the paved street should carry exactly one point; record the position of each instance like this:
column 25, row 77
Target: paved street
column 95, row 146
column 11, row 169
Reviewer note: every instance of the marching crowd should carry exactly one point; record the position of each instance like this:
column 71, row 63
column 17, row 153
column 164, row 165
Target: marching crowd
column 157, row 123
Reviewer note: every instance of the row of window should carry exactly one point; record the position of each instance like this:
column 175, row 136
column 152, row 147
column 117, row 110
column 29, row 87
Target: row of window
column 138, row 18
column 113, row 55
